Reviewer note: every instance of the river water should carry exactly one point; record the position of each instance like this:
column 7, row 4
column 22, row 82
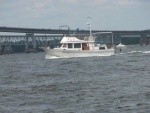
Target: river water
column 29, row 83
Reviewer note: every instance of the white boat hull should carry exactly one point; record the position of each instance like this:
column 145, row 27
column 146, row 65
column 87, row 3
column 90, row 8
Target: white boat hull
column 79, row 53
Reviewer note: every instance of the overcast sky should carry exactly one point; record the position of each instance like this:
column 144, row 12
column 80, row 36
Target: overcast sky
column 106, row 14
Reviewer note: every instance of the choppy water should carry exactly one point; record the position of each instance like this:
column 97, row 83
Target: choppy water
column 29, row 83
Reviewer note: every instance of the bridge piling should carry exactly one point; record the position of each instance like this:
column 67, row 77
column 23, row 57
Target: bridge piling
column 8, row 49
column 26, row 44
column 34, row 43
column 33, row 48
column 144, row 39
column 1, row 50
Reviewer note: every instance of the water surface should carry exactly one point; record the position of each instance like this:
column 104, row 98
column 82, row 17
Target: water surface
column 29, row 83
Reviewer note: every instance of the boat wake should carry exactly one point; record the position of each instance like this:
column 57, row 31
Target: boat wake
column 51, row 57
column 55, row 57
column 134, row 52
column 138, row 52
column 146, row 52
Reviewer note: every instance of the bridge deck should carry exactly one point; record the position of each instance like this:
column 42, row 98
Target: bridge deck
column 60, row 31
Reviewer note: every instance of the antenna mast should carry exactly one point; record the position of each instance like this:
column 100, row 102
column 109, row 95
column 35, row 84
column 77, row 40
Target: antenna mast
column 89, row 23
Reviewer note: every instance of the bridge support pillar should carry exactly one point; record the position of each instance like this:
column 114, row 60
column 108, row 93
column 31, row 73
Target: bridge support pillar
column 144, row 39
column 27, row 44
column 33, row 49
column 8, row 49
column 34, row 43
column 1, row 50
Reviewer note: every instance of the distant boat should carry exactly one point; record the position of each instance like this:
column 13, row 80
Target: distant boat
column 74, row 47
column 121, row 46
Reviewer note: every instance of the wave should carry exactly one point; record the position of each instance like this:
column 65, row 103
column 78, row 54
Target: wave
column 51, row 57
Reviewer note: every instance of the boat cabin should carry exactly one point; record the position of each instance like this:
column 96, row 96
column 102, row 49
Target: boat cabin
column 72, row 43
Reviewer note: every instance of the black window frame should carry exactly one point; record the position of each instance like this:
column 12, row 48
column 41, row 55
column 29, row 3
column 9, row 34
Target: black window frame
column 70, row 45
column 77, row 45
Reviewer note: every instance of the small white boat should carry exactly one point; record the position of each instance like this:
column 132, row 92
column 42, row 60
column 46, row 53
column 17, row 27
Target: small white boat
column 121, row 46
column 73, row 47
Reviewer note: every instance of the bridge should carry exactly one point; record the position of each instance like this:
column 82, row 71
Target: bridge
column 35, row 38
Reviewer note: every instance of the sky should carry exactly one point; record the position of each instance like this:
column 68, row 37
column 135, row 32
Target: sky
column 51, row 14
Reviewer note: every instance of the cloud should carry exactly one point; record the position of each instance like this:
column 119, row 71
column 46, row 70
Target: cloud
column 43, row 13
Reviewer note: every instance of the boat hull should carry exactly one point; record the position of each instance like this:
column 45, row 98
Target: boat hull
column 79, row 53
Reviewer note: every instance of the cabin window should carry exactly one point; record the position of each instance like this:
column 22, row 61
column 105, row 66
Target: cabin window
column 77, row 45
column 101, row 47
column 70, row 45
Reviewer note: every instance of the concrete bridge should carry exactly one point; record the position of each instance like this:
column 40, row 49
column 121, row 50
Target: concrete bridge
column 47, row 37
column 62, row 31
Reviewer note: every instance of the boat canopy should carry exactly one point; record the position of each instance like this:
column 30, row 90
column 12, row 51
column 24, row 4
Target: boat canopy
column 73, row 40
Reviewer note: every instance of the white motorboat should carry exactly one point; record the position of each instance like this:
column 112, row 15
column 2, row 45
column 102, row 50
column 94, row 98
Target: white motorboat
column 73, row 47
